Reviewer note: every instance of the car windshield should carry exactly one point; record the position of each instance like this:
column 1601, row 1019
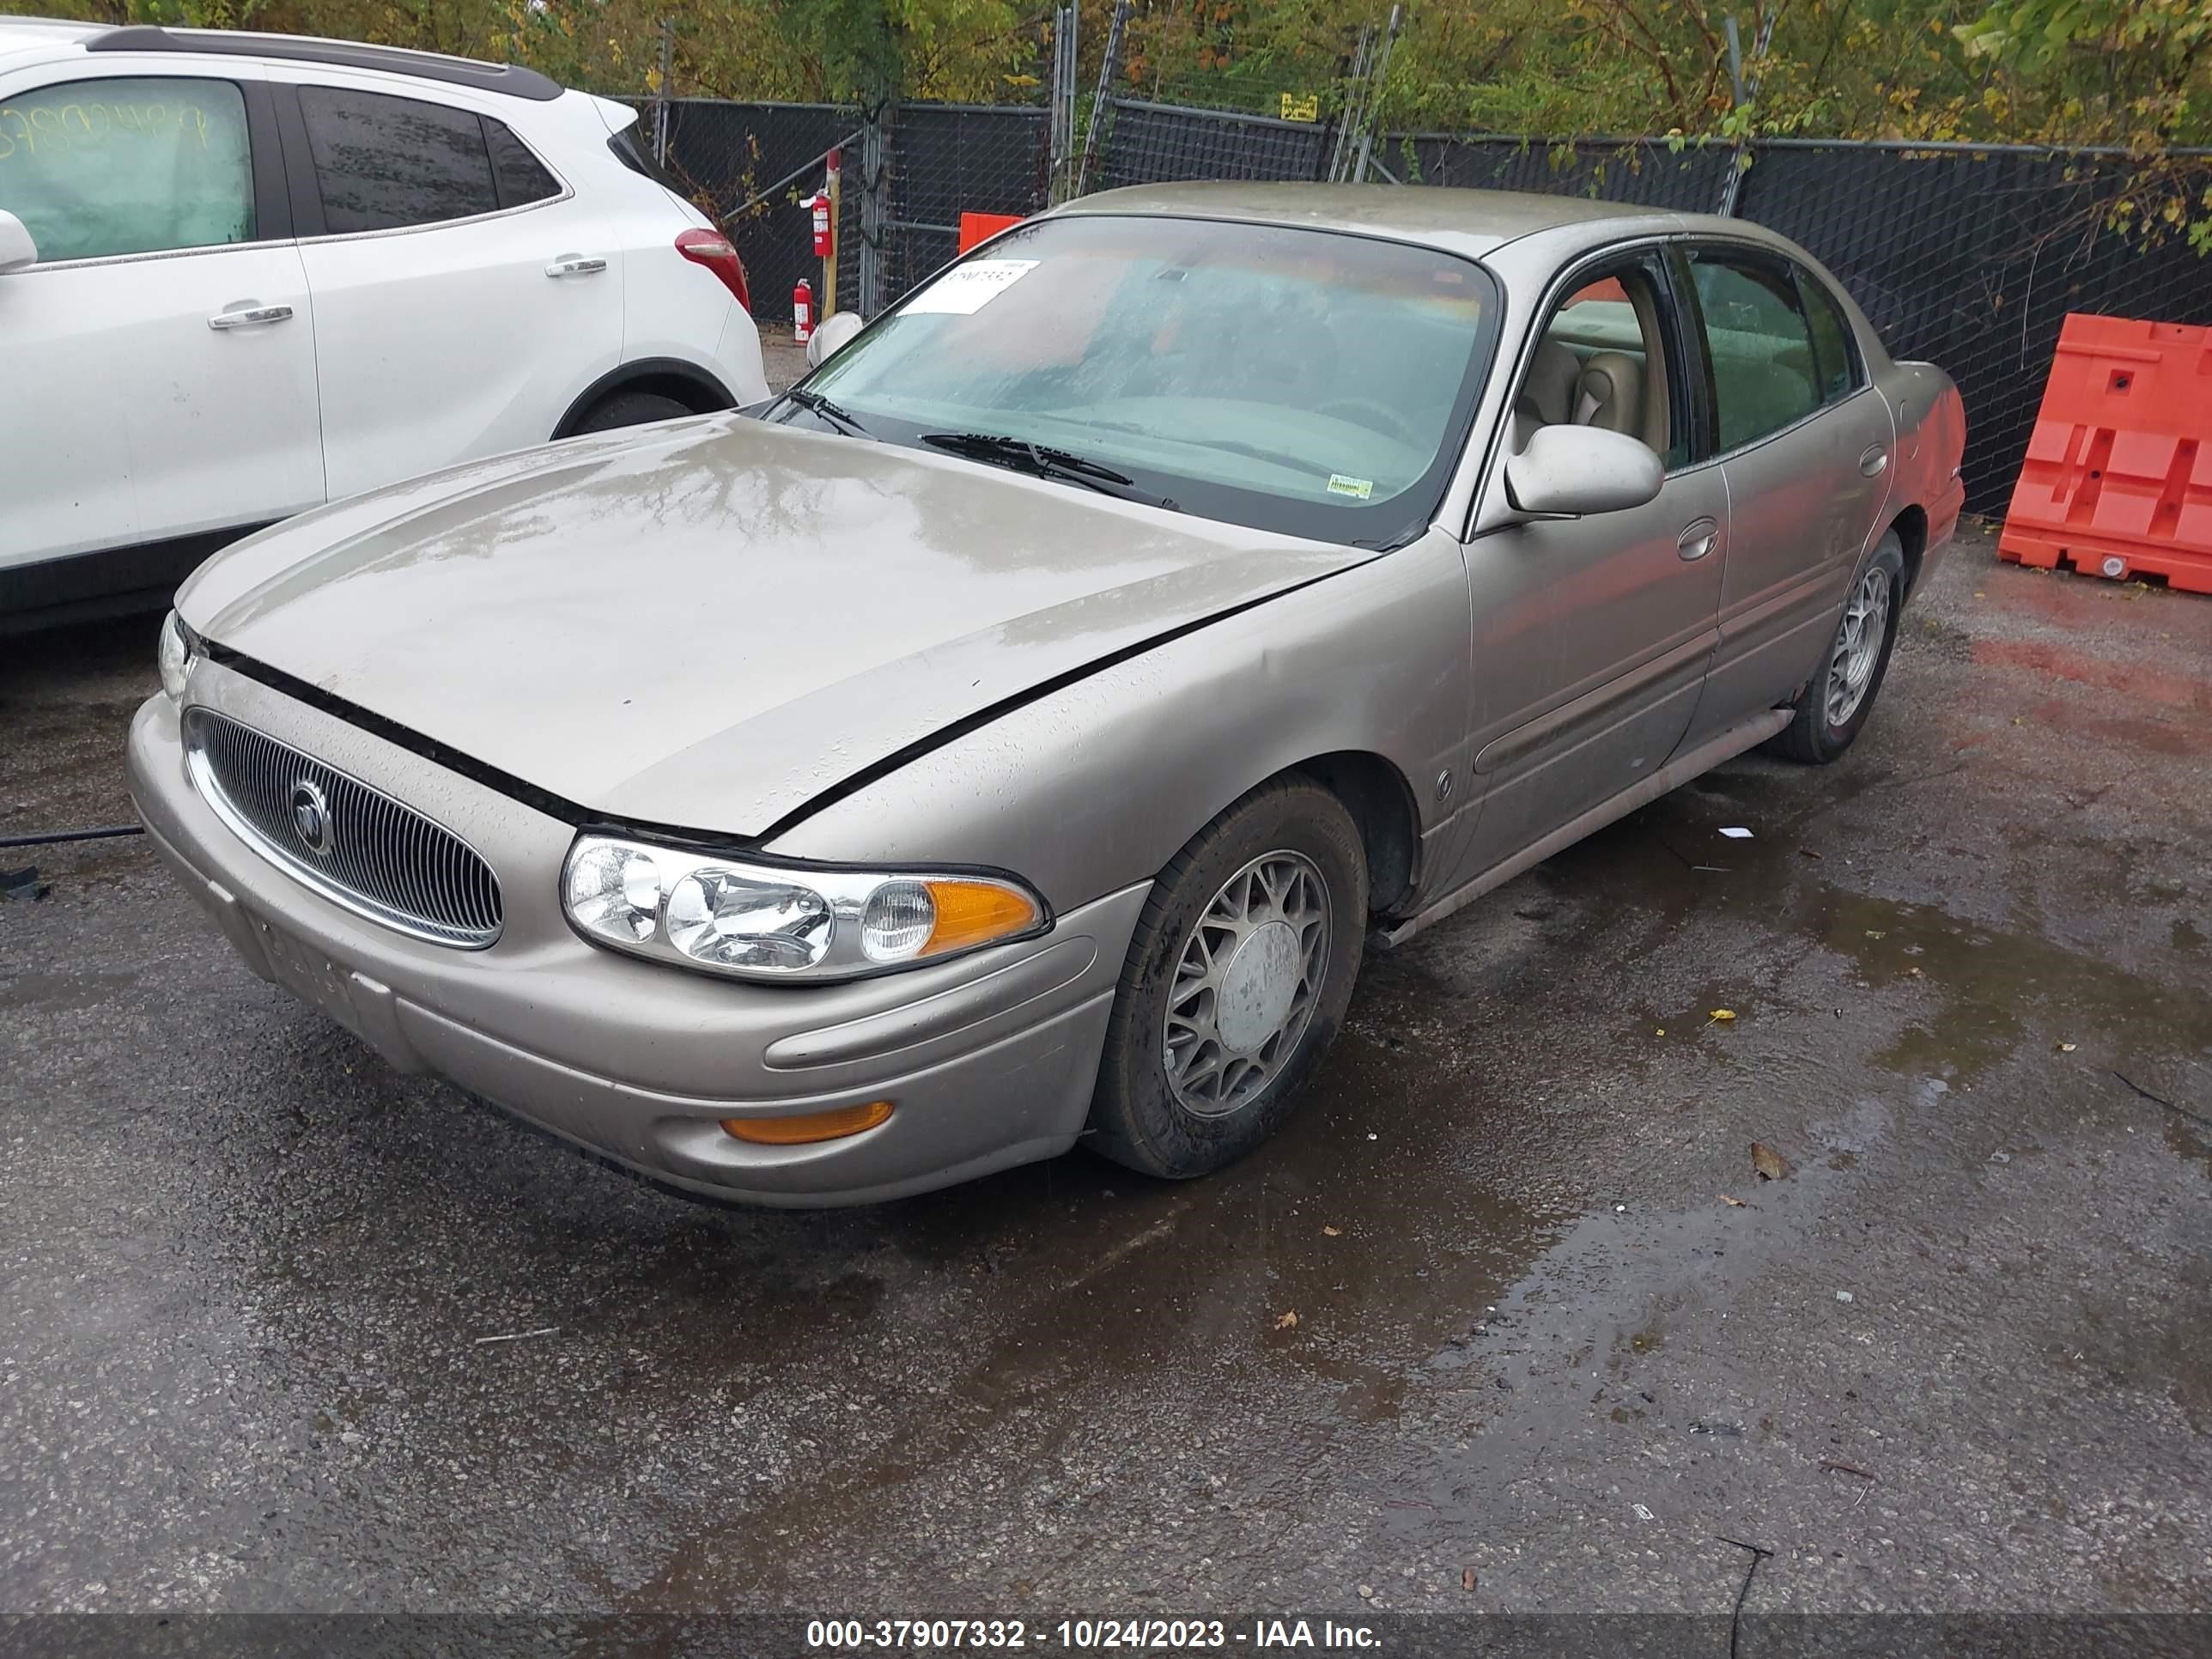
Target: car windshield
column 1298, row 380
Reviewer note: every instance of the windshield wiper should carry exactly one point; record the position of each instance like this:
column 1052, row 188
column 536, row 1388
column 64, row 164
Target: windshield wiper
column 1042, row 461
column 814, row 403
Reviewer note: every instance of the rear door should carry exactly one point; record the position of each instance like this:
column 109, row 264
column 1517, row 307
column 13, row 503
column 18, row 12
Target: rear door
column 463, row 294
column 160, row 357
column 1806, row 444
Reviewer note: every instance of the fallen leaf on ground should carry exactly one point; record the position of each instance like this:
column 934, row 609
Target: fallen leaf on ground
column 1734, row 1203
column 1331, row 1232
column 1806, row 852
column 1721, row 1016
column 1661, row 1032
column 1769, row 1163
column 1289, row 1321
column 1466, row 1578
column 2066, row 1048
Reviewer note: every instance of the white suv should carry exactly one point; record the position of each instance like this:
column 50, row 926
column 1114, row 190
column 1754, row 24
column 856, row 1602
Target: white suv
column 243, row 274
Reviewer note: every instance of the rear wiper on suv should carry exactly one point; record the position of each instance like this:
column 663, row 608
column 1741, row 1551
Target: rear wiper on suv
column 815, row 403
column 1042, row 461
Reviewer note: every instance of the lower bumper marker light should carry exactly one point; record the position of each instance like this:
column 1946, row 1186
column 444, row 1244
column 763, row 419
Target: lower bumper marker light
column 805, row 1128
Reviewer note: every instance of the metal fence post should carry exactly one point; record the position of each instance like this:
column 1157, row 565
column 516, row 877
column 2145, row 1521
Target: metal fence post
column 1102, row 101
column 872, row 210
column 660, row 100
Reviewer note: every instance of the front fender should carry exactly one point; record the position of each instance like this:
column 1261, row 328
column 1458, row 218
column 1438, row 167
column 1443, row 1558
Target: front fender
column 1098, row 784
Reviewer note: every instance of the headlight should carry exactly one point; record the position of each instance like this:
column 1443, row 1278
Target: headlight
column 729, row 914
column 175, row 656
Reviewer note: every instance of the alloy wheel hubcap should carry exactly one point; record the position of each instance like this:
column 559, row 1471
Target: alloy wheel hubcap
column 1858, row 647
column 1245, row 983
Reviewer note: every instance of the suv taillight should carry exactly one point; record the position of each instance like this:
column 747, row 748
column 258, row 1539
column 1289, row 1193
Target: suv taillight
column 712, row 249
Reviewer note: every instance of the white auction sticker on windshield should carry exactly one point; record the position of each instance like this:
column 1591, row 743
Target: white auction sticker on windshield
column 968, row 288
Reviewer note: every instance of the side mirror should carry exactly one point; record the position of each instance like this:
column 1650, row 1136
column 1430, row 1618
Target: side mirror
column 1567, row 471
column 17, row 250
column 836, row 331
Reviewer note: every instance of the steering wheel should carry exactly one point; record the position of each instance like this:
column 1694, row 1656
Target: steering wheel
column 1366, row 412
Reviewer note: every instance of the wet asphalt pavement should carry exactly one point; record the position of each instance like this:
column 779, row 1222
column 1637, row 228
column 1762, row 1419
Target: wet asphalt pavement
column 1554, row 1334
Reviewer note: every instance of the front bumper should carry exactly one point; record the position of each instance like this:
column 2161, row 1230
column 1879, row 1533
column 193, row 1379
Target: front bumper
column 990, row 1059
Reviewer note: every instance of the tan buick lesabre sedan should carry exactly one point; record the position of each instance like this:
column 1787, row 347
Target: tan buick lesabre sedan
column 1016, row 734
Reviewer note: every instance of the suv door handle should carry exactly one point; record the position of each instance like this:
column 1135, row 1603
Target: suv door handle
column 1699, row 539
column 248, row 313
column 1873, row 460
column 576, row 265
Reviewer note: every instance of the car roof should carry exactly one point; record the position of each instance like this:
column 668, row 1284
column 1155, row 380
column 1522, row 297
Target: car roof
column 41, row 37
column 1467, row 221
column 20, row 36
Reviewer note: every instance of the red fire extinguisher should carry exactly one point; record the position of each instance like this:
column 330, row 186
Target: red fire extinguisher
column 802, row 311
column 822, row 234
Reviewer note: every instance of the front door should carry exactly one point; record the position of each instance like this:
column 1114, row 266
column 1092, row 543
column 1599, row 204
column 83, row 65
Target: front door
column 160, row 355
column 1592, row 636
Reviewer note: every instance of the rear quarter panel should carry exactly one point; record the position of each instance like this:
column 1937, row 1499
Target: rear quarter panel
column 1931, row 445
column 671, row 308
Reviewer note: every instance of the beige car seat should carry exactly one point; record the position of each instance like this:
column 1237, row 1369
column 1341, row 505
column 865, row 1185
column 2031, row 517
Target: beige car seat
column 1610, row 394
column 1547, row 395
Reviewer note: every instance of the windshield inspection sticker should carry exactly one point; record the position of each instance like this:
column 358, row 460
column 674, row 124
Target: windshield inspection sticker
column 965, row 289
column 1358, row 489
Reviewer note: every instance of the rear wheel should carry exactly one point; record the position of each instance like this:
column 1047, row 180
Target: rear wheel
column 630, row 409
column 1834, row 707
column 1237, row 981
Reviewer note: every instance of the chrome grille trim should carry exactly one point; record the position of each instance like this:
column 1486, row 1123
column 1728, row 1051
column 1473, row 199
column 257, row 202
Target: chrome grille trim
column 388, row 863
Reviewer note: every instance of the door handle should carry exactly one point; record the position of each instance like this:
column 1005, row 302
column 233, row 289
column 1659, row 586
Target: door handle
column 1873, row 461
column 576, row 265
column 248, row 313
column 1699, row 540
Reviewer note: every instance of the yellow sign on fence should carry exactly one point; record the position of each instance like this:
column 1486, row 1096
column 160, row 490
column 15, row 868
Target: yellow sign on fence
column 1302, row 106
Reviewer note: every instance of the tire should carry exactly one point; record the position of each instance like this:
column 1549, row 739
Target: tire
column 629, row 409
column 1813, row 736
column 1295, row 848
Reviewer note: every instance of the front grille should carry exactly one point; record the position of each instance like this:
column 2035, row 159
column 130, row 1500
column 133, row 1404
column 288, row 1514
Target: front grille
column 352, row 843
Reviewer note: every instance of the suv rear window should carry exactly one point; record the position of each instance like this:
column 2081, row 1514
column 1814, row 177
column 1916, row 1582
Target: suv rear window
column 639, row 159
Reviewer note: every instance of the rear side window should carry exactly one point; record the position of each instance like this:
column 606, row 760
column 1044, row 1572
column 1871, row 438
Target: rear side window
column 98, row 168
column 382, row 163
column 522, row 178
column 1758, row 343
column 1832, row 356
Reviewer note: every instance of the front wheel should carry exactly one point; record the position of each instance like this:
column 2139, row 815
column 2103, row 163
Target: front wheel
column 1834, row 706
column 1237, row 981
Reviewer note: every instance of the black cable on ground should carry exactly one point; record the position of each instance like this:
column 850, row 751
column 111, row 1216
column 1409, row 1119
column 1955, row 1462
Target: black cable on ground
column 108, row 833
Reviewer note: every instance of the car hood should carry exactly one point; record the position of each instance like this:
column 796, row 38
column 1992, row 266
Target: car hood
column 710, row 622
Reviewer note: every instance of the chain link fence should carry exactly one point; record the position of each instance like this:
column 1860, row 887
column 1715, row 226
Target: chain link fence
column 1969, row 257
column 1148, row 144
column 948, row 159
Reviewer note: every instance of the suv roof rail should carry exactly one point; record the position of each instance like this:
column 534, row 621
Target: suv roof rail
column 343, row 54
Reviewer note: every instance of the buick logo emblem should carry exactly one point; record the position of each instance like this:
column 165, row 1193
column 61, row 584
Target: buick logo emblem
column 310, row 817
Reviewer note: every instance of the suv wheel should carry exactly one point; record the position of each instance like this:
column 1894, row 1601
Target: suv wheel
column 629, row 409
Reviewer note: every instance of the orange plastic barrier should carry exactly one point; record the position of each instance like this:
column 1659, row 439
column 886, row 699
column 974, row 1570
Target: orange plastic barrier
column 2119, row 475
column 982, row 227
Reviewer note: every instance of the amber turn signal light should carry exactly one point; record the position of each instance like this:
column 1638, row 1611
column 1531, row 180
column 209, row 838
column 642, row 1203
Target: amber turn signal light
column 805, row 1127
column 974, row 913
